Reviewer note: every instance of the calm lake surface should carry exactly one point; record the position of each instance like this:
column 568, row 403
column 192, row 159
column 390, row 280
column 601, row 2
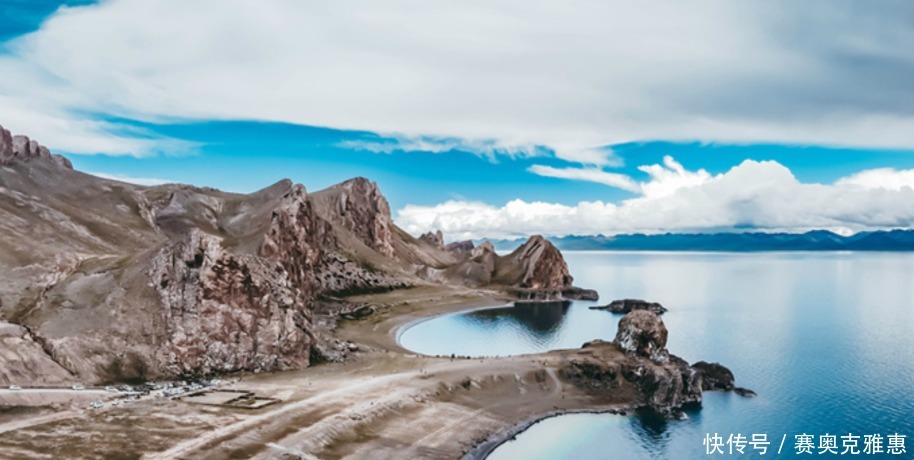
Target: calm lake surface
column 826, row 339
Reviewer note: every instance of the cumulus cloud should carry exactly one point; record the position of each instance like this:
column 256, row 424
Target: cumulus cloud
column 884, row 178
column 763, row 196
column 568, row 76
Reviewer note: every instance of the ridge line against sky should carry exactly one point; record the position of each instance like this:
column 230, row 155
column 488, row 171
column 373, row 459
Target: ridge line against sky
column 563, row 103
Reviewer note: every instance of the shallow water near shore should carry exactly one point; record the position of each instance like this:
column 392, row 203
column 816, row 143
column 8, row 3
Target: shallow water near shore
column 825, row 338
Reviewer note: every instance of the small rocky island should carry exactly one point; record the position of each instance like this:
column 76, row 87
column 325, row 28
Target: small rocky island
column 625, row 306
column 637, row 362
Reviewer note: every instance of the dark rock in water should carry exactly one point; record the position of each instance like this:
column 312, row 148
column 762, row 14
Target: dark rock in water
column 552, row 295
column 745, row 392
column 714, row 376
column 643, row 333
column 626, row 306
column 576, row 293
column 362, row 311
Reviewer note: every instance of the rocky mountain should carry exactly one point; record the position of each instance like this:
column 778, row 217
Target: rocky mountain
column 107, row 281
column 818, row 240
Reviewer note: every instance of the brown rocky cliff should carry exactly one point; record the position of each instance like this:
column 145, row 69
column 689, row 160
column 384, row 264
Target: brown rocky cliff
column 21, row 148
column 359, row 208
column 534, row 271
column 536, row 264
column 228, row 311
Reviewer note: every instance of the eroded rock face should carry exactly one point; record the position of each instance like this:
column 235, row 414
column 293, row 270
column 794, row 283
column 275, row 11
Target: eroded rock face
column 227, row 312
column 6, row 146
column 643, row 333
column 297, row 240
column 23, row 361
column 21, row 148
column 358, row 206
column 434, row 239
column 544, row 266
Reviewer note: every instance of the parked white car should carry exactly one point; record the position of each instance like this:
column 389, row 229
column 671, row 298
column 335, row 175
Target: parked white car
column 97, row 404
column 111, row 390
column 78, row 387
column 15, row 387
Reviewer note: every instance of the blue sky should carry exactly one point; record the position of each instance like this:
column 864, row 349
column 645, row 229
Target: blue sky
column 479, row 151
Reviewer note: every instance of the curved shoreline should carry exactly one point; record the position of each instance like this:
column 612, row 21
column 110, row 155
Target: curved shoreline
column 398, row 331
column 482, row 450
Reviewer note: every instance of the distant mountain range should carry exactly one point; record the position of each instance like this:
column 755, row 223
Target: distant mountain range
column 818, row 240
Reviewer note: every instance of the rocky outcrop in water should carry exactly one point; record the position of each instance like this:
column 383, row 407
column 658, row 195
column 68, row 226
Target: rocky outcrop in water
column 638, row 364
column 714, row 376
column 643, row 334
column 626, row 306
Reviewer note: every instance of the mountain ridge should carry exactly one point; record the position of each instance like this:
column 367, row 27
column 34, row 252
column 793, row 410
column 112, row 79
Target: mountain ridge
column 816, row 240
column 105, row 281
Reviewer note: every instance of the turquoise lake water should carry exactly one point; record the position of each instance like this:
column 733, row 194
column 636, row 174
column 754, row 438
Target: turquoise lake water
column 826, row 339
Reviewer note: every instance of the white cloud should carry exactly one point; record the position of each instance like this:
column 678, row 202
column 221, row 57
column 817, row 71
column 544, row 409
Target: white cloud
column 565, row 75
column 664, row 179
column 490, row 149
column 755, row 195
column 147, row 181
column 588, row 174
column 884, row 178
column 671, row 176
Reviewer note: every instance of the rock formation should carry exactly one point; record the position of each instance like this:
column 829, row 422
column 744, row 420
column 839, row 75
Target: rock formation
column 638, row 362
column 534, row 271
column 358, row 206
column 461, row 248
column 626, row 306
column 13, row 148
column 434, row 239
column 112, row 281
column 642, row 333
